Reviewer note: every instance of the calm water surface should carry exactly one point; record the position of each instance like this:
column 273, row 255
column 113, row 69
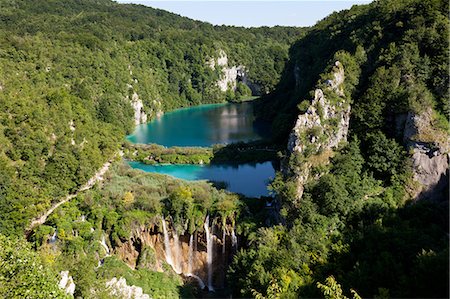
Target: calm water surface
column 206, row 125
column 202, row 125
column 248, row 179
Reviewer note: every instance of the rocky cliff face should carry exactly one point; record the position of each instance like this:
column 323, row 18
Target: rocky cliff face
column 320, row 129
column 66, row 283
column 186, row 253
column 140, row 117
column 429, row 148
column 232, row 74
column 142, row 113
column 118, row 288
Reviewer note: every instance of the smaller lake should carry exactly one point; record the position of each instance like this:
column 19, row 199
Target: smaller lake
column 202, row 125
column 248, row 179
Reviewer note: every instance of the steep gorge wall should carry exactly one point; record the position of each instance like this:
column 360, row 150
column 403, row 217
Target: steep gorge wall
column 326, row 122
column 319, row 130
column 429, row 152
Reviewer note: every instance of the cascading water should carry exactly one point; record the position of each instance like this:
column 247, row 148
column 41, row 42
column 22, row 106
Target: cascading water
column 223, row 241
column 233, row 240
column 53, row 238
column 177, row 261
column 103, row 242
column 191, row 253
column 191, row 261
column 167, row 244
column 209, row 252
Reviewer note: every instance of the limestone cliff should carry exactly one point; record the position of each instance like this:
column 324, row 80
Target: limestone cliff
column 140, row 117
column 320, row 129
column 66, row 283
column 118, row 288
column 187, row 254
column 429, row 149
column 230, row 75
column 142, row 113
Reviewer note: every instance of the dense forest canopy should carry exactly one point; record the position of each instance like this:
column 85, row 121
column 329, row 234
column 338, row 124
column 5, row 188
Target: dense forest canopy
column 69, row 68
column 69, row 71
column 372, row 238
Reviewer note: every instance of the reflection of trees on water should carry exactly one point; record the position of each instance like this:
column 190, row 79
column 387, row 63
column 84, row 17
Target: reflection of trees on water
column 232, row 123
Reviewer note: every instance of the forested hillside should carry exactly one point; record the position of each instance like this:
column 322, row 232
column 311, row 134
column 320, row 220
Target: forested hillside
column 360, row 214
column 70, row 69
column 358, row 102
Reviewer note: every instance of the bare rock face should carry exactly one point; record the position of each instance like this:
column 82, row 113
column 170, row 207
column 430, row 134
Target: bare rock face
column 140, row 117
column 118, row 288
column 321, row 128
column 430, row 155
column 66, row 282
column 188, row 254
column 127, row 253
column 232, row 74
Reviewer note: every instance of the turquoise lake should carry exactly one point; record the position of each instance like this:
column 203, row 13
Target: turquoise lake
column 248, row 179
column 202, row 125
column 206, row 125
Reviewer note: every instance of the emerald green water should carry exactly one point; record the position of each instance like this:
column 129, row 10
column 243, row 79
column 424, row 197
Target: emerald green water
column 206, row 125
column 202, row 125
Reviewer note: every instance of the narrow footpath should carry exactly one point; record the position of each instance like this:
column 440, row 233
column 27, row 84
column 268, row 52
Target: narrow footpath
column 98, row 176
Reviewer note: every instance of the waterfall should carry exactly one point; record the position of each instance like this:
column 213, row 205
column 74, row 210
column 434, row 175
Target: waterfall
column 103, row 242
column 53, row 238
column 177, row 261
column 233, row 240
column 191, row 253
column 209, row 252
column 167, row 244
column 223, row 240
column 190, row 263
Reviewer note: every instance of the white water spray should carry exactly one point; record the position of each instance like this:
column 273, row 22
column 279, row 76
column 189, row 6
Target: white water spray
column 53, row 238
column 191, row 261
column 177, row 261
column 191, row 253
column 224, row 236
column 209, row 252
column 233, row 239
column 167, row 244
column 103, row 242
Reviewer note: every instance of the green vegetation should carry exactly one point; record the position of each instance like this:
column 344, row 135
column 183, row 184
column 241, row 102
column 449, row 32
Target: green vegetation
column 240, row 152
column 159, row 285
column 153, row 153
column 348, row 225
column 354, row 230
column 68, row 70
column 22, row 274
column 245, row 152
column 128, row 201
column 241, row 94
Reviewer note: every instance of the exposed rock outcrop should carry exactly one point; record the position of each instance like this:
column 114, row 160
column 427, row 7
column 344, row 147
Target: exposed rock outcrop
column 118, row 288
column 140, row 117
column 316, row 132
column 142, row 113
column 430, row 155
column 232, row 74
column 187, row 254
column 66, row 283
